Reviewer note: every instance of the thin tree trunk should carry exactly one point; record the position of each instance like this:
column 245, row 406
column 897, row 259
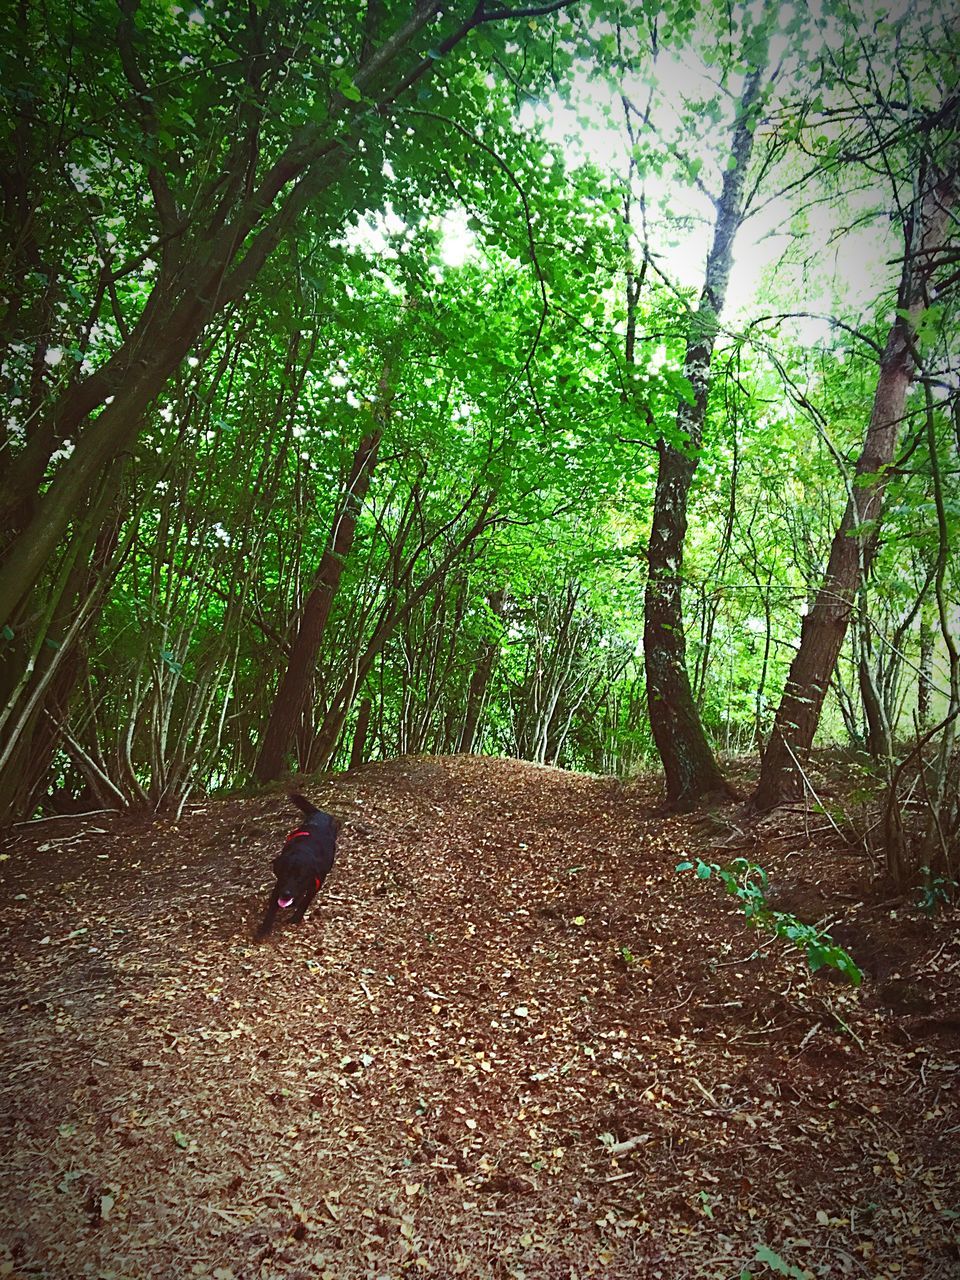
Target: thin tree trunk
column 480, row 680
column 688, row 761
column 925, row 685
column 823, row 629
column 394, row 613
column 37, row 705
column 297, row 680
column 359, row 748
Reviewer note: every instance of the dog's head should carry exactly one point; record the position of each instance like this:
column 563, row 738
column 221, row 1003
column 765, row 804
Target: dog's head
column 295, row 877
column 290, row 884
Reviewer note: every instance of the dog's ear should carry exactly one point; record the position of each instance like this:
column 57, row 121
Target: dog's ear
column 338, row 823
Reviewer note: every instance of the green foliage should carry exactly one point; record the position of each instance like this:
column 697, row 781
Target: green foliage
column 747, row 881
column 936, row 891
column 780, row 1265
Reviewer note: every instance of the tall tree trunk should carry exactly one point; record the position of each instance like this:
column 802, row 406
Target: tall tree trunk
column 823, row 629
column 688, row 762
column 297, row 680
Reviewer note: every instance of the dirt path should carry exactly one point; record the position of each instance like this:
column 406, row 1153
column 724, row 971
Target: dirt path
column 509, row 1041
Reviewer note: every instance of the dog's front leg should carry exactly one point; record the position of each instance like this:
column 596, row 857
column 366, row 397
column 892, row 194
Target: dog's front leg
column 308, row 897
column 266, row 924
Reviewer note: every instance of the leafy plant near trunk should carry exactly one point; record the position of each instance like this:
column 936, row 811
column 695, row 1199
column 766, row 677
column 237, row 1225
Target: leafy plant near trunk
column 748, row 882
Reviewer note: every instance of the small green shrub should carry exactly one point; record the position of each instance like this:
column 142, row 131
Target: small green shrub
column 748, row 882
column 935, row 891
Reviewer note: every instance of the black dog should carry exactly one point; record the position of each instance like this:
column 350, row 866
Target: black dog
column 303, row 864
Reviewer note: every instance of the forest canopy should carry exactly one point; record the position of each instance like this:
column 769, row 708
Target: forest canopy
column 571, row 381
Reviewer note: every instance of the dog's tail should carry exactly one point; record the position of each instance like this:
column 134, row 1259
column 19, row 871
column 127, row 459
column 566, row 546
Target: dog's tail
column 304, row 805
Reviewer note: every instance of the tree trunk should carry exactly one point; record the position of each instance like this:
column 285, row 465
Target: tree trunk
column 34, row 713
column 925, row 685
column 879, row 737
column 297, row 680
column 480, row 680
column 359, row 747
column 688, row 761
column 824, row 627
column 394, row 613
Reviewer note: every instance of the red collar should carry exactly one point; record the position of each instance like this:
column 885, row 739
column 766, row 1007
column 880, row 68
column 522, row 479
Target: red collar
column 301, row 831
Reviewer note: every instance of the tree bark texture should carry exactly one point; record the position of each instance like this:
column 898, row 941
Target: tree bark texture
column 480, row 680
column 396, row 610
column 358, row 750
column 925, row 682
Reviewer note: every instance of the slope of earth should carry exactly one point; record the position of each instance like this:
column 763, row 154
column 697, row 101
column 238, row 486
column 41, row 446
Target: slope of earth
column 508, row 1041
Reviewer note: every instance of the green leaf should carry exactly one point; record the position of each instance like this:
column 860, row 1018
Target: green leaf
column 344, row 85
column 678, row 384
column 169, row 658
column 774, row 1261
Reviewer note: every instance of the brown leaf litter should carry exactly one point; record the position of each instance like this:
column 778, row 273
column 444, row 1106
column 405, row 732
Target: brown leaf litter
column 508, row 1041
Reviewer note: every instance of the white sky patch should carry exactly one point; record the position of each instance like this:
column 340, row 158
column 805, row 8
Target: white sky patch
column 373, row 234
column 458, row 243
column 64, row 452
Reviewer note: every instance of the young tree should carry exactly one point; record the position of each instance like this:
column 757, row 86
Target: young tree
column 297, row 681
column 929, row 220
column 690, row 768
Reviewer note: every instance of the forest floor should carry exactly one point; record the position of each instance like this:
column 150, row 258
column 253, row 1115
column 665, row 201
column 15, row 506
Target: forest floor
column 509, row 1040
